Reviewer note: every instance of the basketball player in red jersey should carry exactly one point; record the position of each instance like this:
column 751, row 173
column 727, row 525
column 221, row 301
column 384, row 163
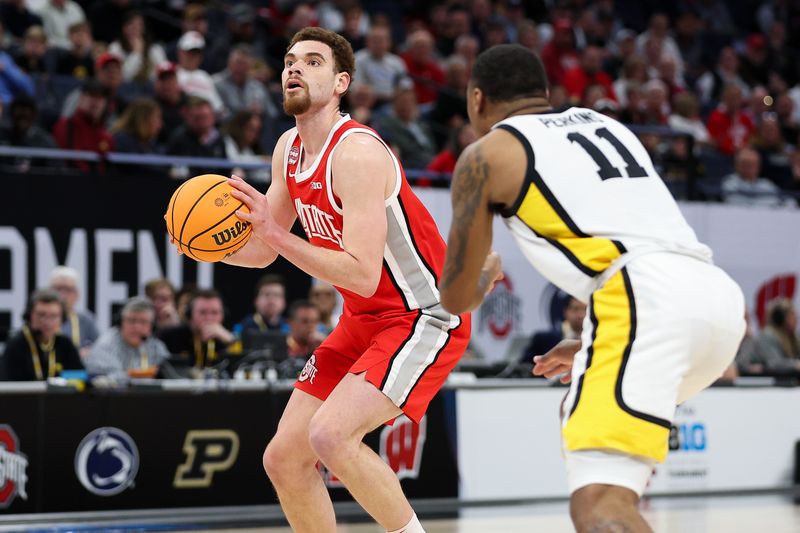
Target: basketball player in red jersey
column 371, row 237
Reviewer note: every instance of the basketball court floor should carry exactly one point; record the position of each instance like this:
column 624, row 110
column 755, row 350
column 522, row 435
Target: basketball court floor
column 729, row 514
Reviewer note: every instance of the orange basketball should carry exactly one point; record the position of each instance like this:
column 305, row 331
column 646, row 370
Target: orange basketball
column 201, row 219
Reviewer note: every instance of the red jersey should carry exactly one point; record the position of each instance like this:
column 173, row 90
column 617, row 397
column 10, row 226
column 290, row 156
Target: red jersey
column 414, row 253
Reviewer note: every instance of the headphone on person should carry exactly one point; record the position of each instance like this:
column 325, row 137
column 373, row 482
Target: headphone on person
column 43, row 296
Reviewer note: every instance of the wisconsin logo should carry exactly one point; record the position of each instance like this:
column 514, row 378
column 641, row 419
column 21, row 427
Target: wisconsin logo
column 234, row 231
column 107, row 461
column 208, row 451
column 401, row 446
column 13, row 468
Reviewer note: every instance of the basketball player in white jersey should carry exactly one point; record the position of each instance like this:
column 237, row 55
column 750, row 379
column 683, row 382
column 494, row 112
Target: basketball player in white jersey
column 584, row 203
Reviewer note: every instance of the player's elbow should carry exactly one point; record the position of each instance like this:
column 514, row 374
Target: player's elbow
column 366, row 287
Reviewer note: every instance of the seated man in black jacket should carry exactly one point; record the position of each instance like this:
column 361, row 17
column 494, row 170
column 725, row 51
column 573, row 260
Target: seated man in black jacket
column 198, row 136
column 571, row 328
column 39, row 351
column 202, row 339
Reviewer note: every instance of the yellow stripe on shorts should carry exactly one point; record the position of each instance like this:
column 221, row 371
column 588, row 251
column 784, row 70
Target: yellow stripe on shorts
column 600, row 419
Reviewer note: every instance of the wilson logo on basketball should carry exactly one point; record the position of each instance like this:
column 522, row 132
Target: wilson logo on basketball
column 13, row 468
column 234, row 231
column 401, row 446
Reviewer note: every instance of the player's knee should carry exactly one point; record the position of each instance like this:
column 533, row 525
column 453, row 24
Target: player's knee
column 595, row 507
column 328, row 441
column 282, row 459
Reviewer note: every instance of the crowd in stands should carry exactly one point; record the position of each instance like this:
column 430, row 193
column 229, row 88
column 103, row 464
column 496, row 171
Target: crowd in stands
column 699, row 80
column 165, row 332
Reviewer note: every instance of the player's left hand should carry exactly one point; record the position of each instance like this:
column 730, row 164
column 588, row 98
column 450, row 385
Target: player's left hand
column 260, row 215
column 557, row 361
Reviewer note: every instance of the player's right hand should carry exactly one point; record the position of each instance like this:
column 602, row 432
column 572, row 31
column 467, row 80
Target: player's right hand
column 557, row 361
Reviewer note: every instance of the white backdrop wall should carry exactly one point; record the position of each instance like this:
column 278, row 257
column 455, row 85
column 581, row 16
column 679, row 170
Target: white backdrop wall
column 759, row 248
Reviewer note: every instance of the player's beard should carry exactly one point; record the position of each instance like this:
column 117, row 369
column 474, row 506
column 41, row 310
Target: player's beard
column 297, row 104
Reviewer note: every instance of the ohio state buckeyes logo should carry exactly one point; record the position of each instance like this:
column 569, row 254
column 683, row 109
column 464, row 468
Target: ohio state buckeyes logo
column 13, row 468
column 294, row 155
column 500, row 310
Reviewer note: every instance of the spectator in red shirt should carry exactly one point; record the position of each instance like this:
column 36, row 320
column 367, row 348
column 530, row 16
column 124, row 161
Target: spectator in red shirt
column 589, row 72
column 85, row 129
column 445, row 161
column 729, row 127
column 560, row 55
column 423, row 68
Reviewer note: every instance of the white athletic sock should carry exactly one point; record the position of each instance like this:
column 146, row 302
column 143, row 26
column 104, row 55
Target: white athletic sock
column 412, row 527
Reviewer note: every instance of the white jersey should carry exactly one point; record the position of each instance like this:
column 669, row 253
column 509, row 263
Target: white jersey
column 591, row 194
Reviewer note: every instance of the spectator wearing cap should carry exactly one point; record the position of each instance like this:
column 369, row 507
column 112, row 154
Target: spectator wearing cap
column 32, row 56
column 193, row 80
column 195, row 18
column 560, row 55
column 108, row 73
column 13, row 80
column 423, row 68
column 589, row 72
column 139, row 54
column 17, row 18
column 240, row 29
column 378, row 67
column 77, row 61
column 170, row 98
column 57, row 17
column 238, row 90
column 85, row 129
column 198, row 136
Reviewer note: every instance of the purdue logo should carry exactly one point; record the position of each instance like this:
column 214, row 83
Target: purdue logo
column 207, row 451
column 401, row 446
column 225, row 236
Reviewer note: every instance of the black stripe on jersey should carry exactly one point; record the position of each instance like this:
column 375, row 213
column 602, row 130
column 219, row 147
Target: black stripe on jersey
column 626, row 356
column 540, row 184
column 564, row 250
column 414, row 241
column 530, row 169
column 399, row 349
column 620, row 247
column 435, row 358
column 396, row 285
column 589, row 352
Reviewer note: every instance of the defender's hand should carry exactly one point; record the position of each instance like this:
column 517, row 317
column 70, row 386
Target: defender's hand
column 492, row 271
column 557, row 361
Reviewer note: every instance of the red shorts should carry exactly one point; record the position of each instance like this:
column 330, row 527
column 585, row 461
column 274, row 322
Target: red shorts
column 406, row 356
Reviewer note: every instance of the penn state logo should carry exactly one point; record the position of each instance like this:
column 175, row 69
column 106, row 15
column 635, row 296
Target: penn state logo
column 107, row 461
column 234, row 231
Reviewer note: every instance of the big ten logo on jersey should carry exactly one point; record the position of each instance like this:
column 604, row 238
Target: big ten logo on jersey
column 317, row 223
column 500, row 311
column 687, row 434
column 13, row 468
column 401, row 446
column 106, row 461
column 208, row 451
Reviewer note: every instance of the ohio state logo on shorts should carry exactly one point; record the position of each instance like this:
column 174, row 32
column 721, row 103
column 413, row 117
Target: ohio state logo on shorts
column 401, row 446
column 13, row 468
column 309, row 371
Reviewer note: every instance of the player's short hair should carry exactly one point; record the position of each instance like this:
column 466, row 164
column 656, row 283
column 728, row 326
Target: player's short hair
column 509, row 72
column 344, row 59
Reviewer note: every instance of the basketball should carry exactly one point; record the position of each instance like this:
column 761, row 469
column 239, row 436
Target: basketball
column 201, row 219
